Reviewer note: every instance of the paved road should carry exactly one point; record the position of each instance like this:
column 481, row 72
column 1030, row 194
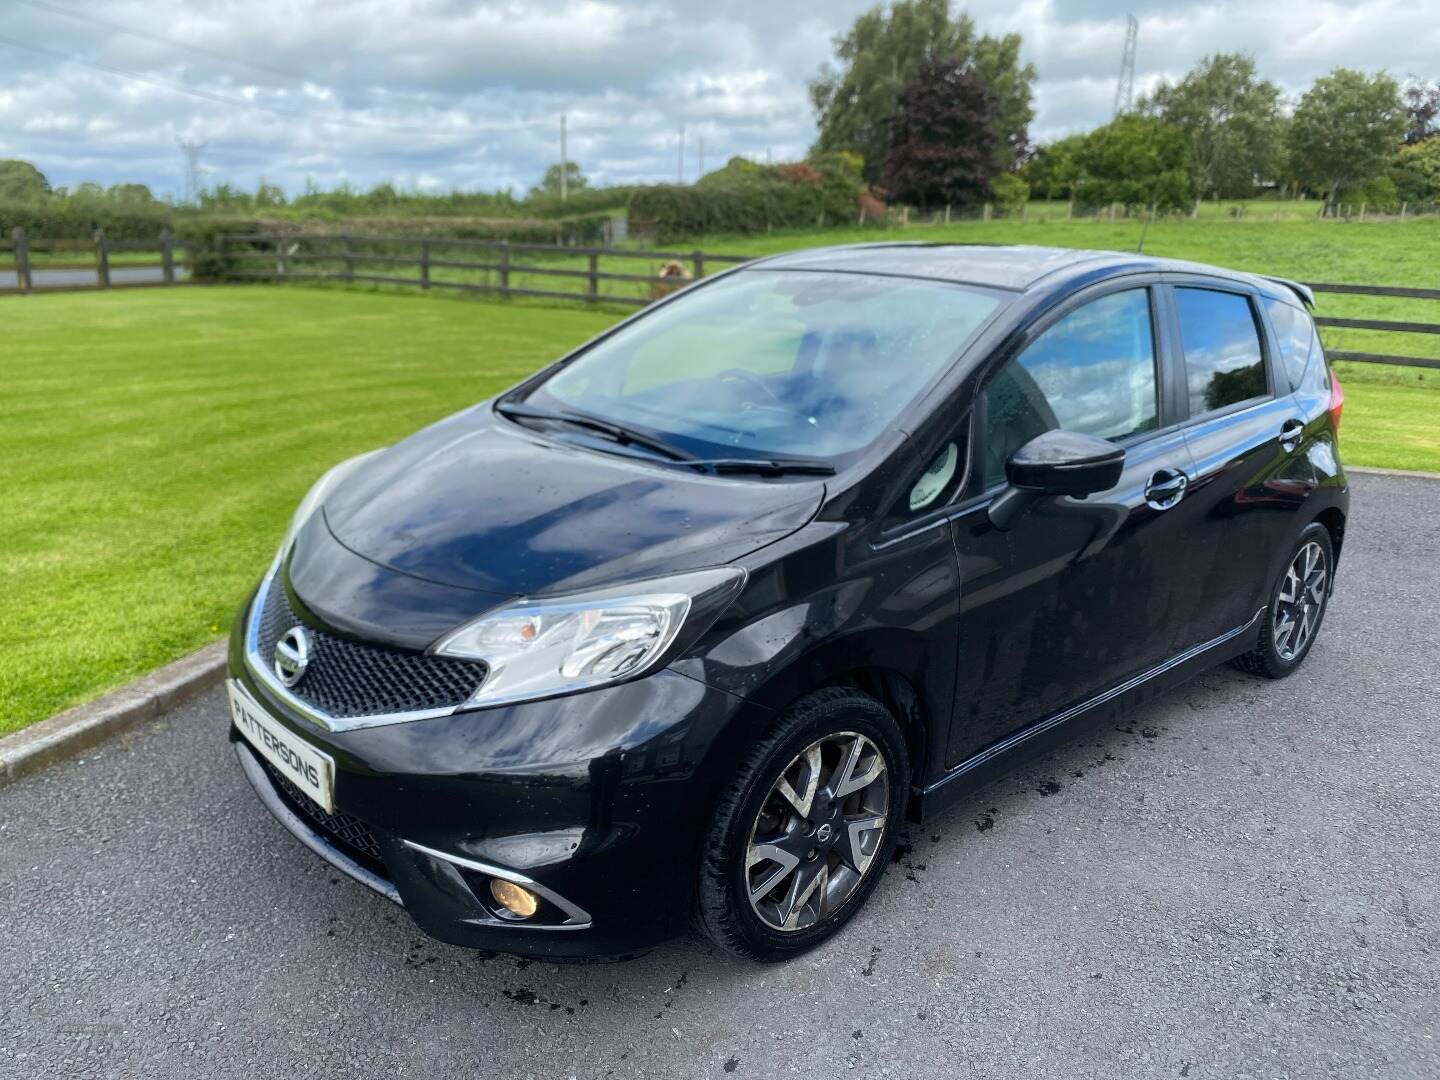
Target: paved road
column 120, row 275
column 1245, row 881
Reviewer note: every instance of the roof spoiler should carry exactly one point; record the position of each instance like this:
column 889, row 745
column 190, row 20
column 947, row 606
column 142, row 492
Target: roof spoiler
column 1304, row 292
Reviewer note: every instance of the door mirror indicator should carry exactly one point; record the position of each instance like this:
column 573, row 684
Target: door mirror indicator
column 1054, row 464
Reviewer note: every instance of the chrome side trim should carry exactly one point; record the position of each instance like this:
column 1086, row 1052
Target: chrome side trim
column 577, row 918
column 996, row 749
column 307, row 835
column 321, row 719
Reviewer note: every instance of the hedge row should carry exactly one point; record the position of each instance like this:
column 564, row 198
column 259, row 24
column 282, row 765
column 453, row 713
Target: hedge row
column 75, row 219
column 671, row 212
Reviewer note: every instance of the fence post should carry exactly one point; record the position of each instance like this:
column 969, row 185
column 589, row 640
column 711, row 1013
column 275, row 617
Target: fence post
column 1403, row 207
column 947, row 213
column 504, row 266
column 167, row 257
column 349, row 257
column 698, row 258
column 594, row 276
column 22, row 260
column 988, row 211
column 102, row 259
column 278, row 242
column 424, row 264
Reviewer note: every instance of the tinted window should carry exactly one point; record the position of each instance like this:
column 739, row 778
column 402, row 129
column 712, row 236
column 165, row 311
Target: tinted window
column 1092, row 372
column 775, row 362
column 1223, row 362
column 1296, row 335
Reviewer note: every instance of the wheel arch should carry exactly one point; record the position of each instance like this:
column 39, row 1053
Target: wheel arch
column 1333, row 518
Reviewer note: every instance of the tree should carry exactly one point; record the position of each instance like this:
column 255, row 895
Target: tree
column 1345, row 131
column 883, row 53
column 1233, row 122
column 1422, row 108
column 1138, row 161
column 550, row 184
column 22, row 182
column 1051, row 171
column 942, row 139
column 1416, row 172
column 130, row 194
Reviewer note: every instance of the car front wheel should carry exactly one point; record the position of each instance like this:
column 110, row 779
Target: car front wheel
column 803, row 833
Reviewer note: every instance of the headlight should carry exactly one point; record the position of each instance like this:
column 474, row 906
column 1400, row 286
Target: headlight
column 316, row 495
column 540, row 648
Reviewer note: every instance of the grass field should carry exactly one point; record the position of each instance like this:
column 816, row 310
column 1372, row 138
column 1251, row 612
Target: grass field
column 157, row 440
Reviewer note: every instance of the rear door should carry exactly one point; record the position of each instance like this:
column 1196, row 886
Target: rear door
column 1242, row 426
column 1080, row 594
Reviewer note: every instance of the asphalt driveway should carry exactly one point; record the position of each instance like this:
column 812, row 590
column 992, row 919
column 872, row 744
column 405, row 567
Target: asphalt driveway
column 1243, row 881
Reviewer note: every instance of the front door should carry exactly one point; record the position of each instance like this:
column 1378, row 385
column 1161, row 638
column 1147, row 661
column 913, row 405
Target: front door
column 1079, row 594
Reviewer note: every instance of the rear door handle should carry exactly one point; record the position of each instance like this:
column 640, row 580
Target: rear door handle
column 1290, row 434
column 1166, row 488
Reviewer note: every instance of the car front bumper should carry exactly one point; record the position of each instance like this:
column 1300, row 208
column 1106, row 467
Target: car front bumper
column 596, row 802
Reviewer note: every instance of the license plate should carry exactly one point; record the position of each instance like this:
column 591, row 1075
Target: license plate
column 299, row 762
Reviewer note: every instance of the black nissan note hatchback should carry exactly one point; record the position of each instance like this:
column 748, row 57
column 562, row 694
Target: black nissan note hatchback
column 682, row 629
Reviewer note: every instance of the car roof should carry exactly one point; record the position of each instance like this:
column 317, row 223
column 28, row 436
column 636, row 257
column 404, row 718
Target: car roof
column 1016, row 267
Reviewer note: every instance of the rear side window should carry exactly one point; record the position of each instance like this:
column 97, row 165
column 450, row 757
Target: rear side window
column 1296, row 334
column 1223, row 361
column 1092, row 372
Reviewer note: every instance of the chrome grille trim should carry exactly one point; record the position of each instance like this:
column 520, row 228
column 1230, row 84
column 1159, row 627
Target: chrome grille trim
column 261, row 672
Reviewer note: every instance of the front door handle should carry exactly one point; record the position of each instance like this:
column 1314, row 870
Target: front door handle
column 1290, row 434
column 1166, row 489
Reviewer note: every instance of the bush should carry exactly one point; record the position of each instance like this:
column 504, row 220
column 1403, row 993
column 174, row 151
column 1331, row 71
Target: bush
column 744, row 197
column 1378, row 196
column 1010, row 192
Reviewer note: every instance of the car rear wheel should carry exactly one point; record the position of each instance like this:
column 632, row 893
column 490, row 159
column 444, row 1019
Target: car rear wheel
column 806, row 828
column 1297, row 608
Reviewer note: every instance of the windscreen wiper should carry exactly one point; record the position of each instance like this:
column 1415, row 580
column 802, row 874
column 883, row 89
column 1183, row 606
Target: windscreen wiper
column 624, row 436
column 763, row 466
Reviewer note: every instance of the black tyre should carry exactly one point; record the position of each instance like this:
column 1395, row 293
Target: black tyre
column 1296, row 609
column 806, row 828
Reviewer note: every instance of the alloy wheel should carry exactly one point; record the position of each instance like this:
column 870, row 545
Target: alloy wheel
column 1300, row 601
column 818, row 831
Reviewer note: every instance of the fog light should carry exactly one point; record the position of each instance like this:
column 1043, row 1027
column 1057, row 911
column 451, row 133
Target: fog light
column 516, row 899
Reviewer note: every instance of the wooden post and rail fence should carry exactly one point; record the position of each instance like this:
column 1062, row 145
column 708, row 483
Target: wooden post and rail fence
column 495, row 267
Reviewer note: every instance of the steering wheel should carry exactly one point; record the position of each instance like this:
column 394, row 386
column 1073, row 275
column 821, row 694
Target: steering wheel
column 749, row 378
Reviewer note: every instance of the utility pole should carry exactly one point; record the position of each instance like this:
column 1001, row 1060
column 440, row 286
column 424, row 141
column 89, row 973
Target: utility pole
column 700, row 157
column 1125, row 87
column 680, row 168
column 564, row 165
column 192, row 149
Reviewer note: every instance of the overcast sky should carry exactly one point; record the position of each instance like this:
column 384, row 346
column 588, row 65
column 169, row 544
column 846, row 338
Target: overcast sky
column 440, row 94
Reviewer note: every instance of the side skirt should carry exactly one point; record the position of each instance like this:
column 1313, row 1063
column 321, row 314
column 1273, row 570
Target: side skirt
column 1002, row 756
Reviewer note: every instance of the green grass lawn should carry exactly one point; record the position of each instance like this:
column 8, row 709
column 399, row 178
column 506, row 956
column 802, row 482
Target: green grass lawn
column 156, row 441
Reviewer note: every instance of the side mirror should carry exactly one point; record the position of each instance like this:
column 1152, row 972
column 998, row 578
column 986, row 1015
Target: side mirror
column 1056, row 463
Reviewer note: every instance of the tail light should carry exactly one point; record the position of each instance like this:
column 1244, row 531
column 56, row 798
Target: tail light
column 1337, row 401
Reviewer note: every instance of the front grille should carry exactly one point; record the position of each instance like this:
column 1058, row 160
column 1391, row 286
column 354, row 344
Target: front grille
column 348, row 833
column 351, row 678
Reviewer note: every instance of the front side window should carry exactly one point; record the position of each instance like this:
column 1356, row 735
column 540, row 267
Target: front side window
column 776, row 362
column 1296, row 334
column 1223, row 362
column 1092, row 372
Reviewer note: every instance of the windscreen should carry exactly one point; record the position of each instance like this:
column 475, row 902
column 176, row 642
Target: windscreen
column 777, row 362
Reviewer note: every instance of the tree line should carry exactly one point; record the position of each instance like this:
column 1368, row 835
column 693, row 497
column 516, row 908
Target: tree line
column 940, row 115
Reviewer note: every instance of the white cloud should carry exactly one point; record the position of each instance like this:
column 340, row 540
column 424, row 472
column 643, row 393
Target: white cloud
column 467, row 93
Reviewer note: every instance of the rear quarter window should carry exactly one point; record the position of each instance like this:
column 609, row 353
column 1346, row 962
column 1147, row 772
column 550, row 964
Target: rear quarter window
column 1295, row 333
